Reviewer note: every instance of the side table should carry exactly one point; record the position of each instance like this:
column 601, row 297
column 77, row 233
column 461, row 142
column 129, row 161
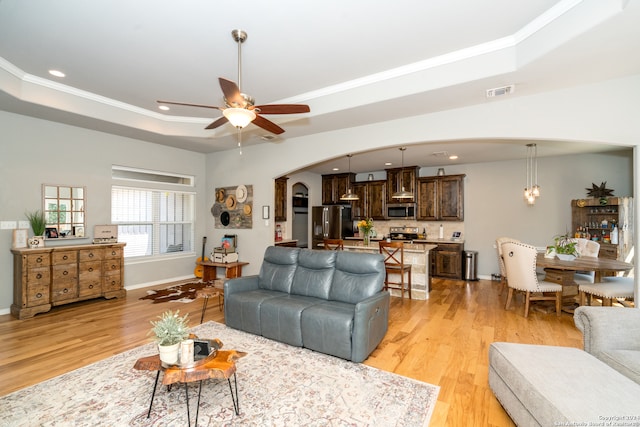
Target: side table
column 221, row 365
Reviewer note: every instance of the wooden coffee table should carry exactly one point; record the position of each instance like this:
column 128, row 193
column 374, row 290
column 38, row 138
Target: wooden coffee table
column 221, row 365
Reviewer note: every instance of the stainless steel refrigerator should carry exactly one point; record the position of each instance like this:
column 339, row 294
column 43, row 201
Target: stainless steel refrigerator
column 330, row 222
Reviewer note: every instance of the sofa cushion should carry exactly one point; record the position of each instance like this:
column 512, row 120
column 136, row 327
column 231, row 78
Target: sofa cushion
column 627, row 362
column 358, row 276
column 314, row 273
column 280, row 317
column 548, row 385
column 327, row 327
column 278, row 268
column 245, row 309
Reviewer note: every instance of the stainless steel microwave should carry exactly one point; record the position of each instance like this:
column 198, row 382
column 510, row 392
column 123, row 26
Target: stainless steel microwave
column 401, row 210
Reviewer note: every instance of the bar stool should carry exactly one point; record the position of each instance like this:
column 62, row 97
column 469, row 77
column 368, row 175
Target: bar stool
column 334, row 244
column 394, row 264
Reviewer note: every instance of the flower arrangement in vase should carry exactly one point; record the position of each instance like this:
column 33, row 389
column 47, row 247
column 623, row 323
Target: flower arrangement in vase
column 170, row 331
column 365, row 227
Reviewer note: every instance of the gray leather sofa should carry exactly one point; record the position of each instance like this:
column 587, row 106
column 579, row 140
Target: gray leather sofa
column 541, row 385
column 328, row 301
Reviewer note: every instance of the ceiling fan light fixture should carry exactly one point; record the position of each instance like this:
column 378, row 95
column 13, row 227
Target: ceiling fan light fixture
column 239, row 117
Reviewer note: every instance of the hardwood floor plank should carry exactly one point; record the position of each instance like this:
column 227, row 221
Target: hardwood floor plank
column 443, row 340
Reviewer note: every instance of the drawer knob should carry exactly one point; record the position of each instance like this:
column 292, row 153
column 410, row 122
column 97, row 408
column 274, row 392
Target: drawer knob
column 91, row 255
column 64, row 273
column 39, row 276
column 90, row 286
column 113, row 282
column 113, row 252
column 65, row 257
column 39, row 259
column 65, row 291
column 90, row 269
column 38, row 295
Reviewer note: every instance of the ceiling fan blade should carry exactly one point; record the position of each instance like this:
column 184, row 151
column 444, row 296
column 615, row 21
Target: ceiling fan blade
column 189, row 105
column 231, row 93
column 267, row 125
column 282, row 108
column 222, row 120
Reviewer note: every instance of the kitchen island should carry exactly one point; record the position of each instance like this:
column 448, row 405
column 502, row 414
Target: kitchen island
column 416, row 254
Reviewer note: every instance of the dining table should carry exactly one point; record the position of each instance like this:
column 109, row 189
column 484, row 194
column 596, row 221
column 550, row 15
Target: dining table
column 563, row 273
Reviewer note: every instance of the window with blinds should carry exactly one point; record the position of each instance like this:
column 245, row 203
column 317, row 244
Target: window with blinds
column 153, row 222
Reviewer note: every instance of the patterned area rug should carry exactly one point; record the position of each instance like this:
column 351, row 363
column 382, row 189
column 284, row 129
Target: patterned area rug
column 278, row 385
column 178, row 292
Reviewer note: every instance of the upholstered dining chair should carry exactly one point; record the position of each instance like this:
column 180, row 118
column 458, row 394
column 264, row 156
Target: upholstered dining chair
column 394, row 264
column 611, row 288
column 586, row 248
column 520, row 263
column 334, row 244
column 503, row 271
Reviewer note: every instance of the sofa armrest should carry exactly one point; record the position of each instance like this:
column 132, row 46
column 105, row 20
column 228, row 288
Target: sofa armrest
column 370, row 323
column 608, row 328
column 240, row 284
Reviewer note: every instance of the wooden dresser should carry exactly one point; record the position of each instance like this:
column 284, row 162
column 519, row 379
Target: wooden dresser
column 46, row 277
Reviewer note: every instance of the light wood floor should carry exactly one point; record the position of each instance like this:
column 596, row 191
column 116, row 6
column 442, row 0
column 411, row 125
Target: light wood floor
column 442, row 341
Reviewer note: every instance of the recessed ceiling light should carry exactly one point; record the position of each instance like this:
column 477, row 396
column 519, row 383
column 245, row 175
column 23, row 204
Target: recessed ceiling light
column 335, row 169
column 388, row 163
column 164, row 108
column 56, row 73
column 453, row 157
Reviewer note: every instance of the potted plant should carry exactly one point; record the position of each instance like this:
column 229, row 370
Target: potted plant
column 38, row 225
column 170, row 331
column 565, row 248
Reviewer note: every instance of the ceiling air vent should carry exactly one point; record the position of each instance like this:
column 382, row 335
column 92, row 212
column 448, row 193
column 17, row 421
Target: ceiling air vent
column 499, row 91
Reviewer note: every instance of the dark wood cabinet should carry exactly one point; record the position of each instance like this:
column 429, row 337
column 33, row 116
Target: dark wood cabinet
column 334, row 186
column 280, row 202
column 441, row 198
column 446, row 260
column 372, row 202
column 401, row 177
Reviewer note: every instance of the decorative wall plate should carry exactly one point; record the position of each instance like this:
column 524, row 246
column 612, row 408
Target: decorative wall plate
column 581, row 203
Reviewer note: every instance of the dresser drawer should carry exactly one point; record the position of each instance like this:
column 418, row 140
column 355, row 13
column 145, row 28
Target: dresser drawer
column 38, row 276
column 111, row 281
column 89, row 270
column 90, row 287
column 112, row 253
column 38, row 294
column 38, row 260
column 63, row 290
column 64, row 257
column 65, row 272
column 96, row 254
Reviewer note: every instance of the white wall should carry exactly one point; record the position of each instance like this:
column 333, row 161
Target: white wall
column 33, row 152
column 603, row 113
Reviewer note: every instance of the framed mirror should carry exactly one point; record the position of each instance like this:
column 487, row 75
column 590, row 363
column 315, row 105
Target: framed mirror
column 64, row 211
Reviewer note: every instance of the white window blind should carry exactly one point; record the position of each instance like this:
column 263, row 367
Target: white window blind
column 153, row 222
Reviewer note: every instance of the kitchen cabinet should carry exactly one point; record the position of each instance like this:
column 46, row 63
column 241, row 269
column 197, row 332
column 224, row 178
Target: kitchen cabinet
column 280, row 201
column 46, row 277
column 589, row 217
column 372, row 201
column 441, row 198
column 334, row 186
column 446, row 260
column 401, row 177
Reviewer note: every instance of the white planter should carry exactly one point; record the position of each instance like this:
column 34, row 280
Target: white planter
column 566, row 257
column 169, row 353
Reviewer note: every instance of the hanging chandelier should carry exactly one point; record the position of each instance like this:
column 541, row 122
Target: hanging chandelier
column 349, row 196
column 532, row 189
column 402, row 194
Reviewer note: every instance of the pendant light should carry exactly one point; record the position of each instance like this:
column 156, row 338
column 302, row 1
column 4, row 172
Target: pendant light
column 402, row 194
column 349, row 196
column 532, row 189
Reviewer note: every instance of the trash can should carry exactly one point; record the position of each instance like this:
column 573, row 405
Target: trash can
column 470, row 265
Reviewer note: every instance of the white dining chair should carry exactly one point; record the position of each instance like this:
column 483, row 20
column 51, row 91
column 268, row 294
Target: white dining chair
column 520, row 263
column 586, row 248
column 610, row 289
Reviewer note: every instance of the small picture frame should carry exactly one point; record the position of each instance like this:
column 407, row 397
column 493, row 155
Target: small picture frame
column 456, row 235
column 265, row 212
column 51, row 233
column 78, row 231
column 20, row 238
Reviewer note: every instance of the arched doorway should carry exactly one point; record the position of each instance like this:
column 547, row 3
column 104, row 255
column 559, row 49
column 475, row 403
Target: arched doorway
column 300, row 214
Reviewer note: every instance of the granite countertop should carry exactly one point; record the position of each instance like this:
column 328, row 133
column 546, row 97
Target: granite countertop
column 408, row 247
column 427, row 240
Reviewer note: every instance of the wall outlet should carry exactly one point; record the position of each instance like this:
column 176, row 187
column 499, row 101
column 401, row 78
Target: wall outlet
column 8, row 225
column 24, row 224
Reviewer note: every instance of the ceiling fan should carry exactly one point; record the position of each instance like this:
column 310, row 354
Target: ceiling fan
column 240, row 109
